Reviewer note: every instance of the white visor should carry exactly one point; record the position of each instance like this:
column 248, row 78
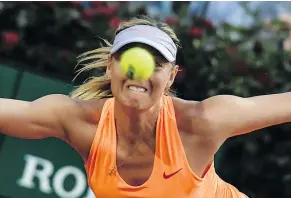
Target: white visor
column 149, row 35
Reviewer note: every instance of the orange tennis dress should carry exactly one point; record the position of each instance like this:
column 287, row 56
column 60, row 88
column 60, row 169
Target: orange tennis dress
column 171, row 176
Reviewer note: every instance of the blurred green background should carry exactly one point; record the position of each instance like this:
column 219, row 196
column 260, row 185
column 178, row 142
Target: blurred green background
column 45, row 168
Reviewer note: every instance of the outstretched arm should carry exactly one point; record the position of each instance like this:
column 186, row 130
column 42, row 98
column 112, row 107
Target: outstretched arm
column 38, row 119
column 231, row 115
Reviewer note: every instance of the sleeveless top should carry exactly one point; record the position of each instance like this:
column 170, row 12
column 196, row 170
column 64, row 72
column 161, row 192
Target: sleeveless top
column 171, row 176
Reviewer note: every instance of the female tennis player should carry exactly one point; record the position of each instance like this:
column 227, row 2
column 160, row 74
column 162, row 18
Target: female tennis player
column 136, row 139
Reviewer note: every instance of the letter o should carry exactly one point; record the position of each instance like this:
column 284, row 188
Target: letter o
column 60, row 176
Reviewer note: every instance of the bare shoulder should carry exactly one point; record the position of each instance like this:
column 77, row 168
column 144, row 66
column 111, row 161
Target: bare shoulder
column 80, row 123
column 185, row 108
column 196, row 117
column 90, row 109
column 195, row 133
column 204, row 117
column 67, row 105
column 54, row 100
column 218, row 101
column 204, row 109
column 187, row 112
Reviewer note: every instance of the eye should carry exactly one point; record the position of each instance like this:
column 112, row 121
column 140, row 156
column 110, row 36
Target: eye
column 158, row 64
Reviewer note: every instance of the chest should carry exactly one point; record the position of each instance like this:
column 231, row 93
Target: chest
column 135, row 166
column 143, row 174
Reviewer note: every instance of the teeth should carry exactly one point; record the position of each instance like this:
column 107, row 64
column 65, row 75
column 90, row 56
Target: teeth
column 139, row 89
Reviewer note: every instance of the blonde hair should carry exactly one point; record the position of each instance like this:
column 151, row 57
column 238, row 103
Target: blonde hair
column 100, row 87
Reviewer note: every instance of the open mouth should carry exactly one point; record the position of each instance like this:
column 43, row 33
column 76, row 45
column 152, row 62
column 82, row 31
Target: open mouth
column 137, row 88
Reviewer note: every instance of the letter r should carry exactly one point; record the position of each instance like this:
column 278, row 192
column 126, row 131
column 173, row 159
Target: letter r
column 31, row 171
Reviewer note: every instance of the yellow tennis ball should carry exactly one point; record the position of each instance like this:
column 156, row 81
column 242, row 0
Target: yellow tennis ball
column 137, row 64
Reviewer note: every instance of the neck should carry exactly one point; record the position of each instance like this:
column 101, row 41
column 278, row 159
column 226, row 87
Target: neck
column 132, row 124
